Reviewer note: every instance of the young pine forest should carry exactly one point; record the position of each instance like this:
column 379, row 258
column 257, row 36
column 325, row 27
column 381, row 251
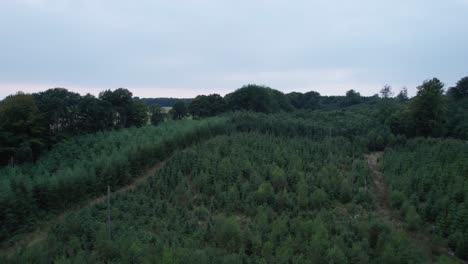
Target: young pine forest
column 255, row 176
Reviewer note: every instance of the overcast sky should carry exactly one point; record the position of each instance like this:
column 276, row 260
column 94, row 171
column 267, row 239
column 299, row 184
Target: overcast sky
column 185, row 48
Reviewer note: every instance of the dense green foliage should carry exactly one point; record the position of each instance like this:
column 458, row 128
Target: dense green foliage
column 35, row 122
column 207, row 105
column 157, row 115
column 271, row 185
column 21, row 128
column 309, row 100
column 165, row 101
column 179, row 110
column 460, row 91
column 243, row 198
column 360, row 125
column 428, row 179
column 457, row 122
column 431, row 113
column 258, row 99
column 82, row 168
column 63, row 114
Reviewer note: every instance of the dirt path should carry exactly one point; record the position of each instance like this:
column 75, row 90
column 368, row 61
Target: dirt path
column 380, row 190
column 40, row 233
column 384, row 210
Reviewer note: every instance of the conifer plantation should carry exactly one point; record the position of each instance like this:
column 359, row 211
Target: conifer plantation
column 256, row 176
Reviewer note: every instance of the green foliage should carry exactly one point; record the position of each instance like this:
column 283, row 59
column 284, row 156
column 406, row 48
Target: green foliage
column 237, row 198
column 82, row 168
column 157, row 115
column 425, row 113
column 122, row 106
column 460, row 91
column 412, row 218
column 207, row 105
column 403, row 94
column 431, row 174
column 352, row 98
column 60, row 110
column 386, row 92
column 265, row 193
column 139, row 114
column 258, row 98
column 457, row 121
column 179, row 110
column 427, row 108
column 93, row 115
column 309, row 100
column 397, row 198
column 21, row 128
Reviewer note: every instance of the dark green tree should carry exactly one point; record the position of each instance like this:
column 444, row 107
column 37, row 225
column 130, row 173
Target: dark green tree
column 403, row 94
column 179, row 110
column 427, row 108
column 460, row 91
column 60, row 110
column 386, row 91
column 139, row 114
column 258, row 98
column 21, row 126
column 122, row 105
column 352, row 97
column 309, row 100
column 94, row 114
column 157, row 115
column 207, row 105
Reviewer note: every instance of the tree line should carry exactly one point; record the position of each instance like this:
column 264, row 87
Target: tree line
column 432, row 112
column 31, row 123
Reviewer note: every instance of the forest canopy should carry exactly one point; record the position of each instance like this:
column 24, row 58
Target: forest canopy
column 256, row 176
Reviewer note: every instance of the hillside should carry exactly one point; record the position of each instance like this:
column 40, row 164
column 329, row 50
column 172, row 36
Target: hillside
column 257, row 176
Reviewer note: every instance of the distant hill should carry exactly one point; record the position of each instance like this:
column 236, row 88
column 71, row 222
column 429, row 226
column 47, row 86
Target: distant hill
column 165, row 101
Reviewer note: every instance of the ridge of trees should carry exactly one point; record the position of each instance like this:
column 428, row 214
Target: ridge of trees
column 80, row 168
column 268, row 166
column 244, row 197
column 428, row 180
column 165, row 101
column 31, row 124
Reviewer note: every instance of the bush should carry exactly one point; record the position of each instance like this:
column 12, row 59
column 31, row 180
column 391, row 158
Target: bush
column 397, row 199
column 412, row 218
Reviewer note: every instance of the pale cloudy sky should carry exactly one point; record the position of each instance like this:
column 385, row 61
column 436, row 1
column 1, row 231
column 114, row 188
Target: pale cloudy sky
column 184, row 48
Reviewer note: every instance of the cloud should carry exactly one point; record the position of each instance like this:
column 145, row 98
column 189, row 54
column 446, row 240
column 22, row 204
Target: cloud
column 216, row 46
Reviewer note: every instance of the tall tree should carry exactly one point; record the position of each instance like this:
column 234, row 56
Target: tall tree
column 60, row 109
column 157, row 115
column 428, row 107
column 179, row 110
column 122, row 104
column 94, row 114
column 207, row 105
column 460, row 91
column 22, row 130
column 139, row 113
column 309, row 100
column 386, row 91
column 258, row 98
column 352, row 97
column 403, row 94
